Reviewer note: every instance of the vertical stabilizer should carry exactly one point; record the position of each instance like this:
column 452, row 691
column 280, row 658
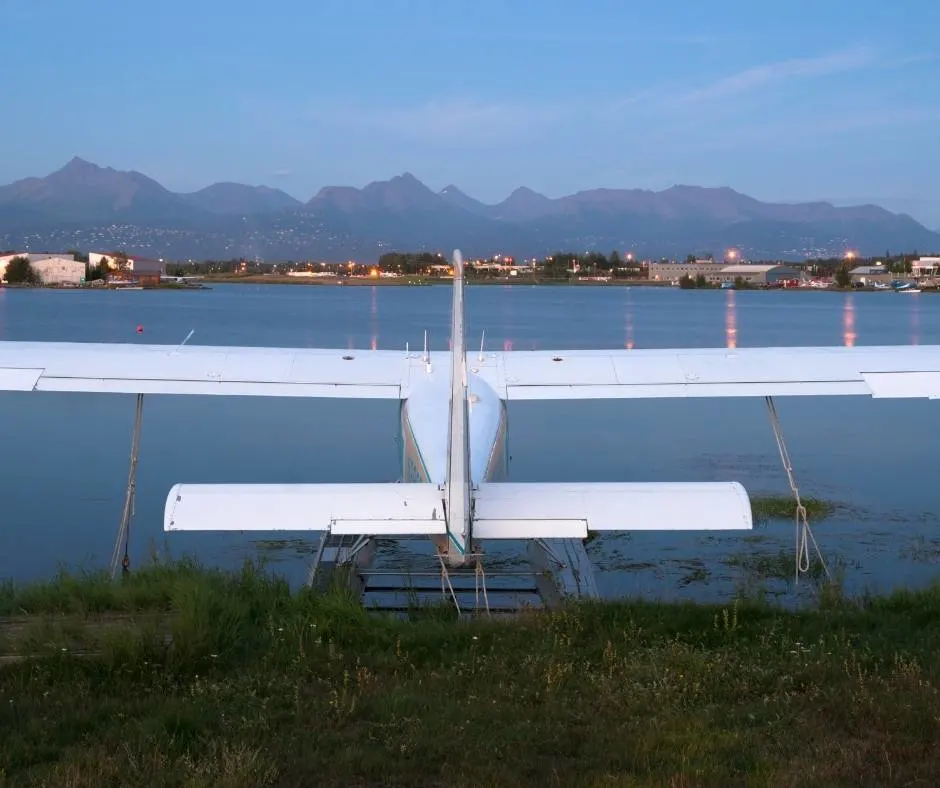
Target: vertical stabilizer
column 457, row 485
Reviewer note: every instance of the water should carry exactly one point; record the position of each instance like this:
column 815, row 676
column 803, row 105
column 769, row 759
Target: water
column 65, row 455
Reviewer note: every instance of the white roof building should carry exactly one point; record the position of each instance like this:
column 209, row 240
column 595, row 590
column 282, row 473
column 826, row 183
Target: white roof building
column 764, row 274
column 868, row 270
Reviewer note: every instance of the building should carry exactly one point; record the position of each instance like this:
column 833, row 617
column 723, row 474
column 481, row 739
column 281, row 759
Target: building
column 312, row 274
column 925, row 266
column 33, row 257
column 147, row 272
column 758, row 274
column 671, row 272
column 59, row 271
column 867, row 274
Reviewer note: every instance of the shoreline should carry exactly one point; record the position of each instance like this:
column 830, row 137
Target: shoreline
column 418, row 281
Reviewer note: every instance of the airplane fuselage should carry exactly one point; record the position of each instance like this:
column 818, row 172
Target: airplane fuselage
column 424, row 424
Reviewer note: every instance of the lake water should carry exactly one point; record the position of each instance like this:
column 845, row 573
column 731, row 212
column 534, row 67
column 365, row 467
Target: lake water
column 65, row 455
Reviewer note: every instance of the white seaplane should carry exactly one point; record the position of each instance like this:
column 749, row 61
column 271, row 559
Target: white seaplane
column 453, row 420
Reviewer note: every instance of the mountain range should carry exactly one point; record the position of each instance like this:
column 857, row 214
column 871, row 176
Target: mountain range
column 85, row 206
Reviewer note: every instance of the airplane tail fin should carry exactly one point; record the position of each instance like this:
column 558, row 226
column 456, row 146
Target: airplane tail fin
column 457, row 484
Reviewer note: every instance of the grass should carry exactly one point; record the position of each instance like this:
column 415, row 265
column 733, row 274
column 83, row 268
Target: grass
column 180, row 675
column 773, row 507
column 779, row 566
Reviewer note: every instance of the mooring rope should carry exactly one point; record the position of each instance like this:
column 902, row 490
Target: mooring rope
column 480, row 579
column 804, row 534
column 445, row 578
column 124, row 529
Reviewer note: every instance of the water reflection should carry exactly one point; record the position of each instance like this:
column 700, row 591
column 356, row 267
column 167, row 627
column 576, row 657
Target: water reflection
column 628, row 340
column 915, row 321
column 731, row 324
column 848, row 322
column 374, row 317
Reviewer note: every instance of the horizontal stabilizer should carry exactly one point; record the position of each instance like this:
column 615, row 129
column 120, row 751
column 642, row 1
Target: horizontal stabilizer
column 389, row 509
column 570, row 510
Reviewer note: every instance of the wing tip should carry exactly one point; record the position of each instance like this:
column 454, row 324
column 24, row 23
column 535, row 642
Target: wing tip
column 169, row 507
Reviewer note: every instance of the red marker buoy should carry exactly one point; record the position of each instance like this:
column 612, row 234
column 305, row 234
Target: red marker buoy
column 140, row 329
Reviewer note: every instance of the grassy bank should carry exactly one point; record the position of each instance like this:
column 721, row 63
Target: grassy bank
column 184, row 676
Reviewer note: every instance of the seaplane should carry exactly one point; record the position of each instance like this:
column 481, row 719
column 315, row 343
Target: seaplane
column 454, row 489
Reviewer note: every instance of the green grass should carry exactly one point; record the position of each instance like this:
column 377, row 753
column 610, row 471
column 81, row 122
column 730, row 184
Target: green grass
column 179, row 675
column 773, row 507
column 778, row 566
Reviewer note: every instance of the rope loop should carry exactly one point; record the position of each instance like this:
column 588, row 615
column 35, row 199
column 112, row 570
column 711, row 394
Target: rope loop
column 804, row 534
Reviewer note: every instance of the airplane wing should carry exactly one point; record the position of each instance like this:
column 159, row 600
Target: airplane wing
column 194, row 369
column 875, row 371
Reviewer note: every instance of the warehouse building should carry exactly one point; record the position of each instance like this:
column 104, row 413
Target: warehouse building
column 59, row 271
column 758, row 274
column 869, row 274
column 670, row 272
column 33, row 257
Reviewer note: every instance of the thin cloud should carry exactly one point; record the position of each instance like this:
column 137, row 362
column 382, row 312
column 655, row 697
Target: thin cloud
column 281, row 173
column 469, row 121
column 781, row 71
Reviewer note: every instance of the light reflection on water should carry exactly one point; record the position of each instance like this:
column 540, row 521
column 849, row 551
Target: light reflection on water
column 731, row 323
column 66, row 455
column 848, row 322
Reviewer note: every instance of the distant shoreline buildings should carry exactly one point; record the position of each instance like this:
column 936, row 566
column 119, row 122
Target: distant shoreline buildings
column 75, row 269
column 71, row 269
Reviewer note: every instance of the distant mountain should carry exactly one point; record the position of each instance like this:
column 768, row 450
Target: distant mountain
column 453, row 196
column 86, row 206
column 524, row 204
column 401, row 194
column 238, row 199
column 84, row 192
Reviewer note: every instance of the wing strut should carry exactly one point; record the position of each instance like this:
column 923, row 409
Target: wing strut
column 804, row 534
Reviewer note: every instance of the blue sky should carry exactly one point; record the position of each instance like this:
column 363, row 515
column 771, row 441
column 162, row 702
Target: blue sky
column 781, row 100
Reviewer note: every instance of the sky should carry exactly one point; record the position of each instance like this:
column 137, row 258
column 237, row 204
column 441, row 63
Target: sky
column 795, row 100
